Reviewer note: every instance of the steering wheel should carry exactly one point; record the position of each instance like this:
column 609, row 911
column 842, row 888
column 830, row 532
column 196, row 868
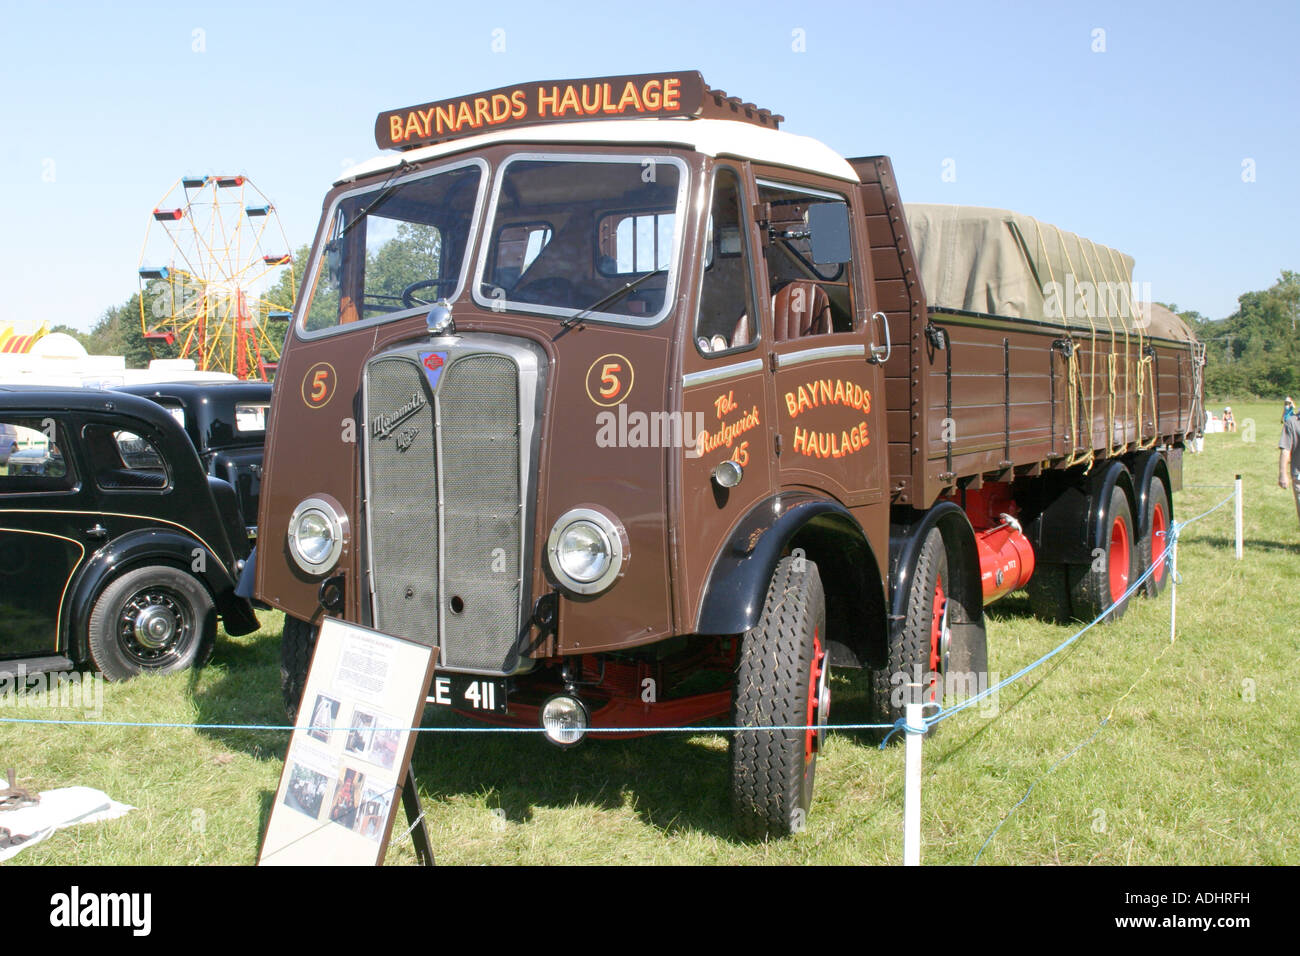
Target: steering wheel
column 409, row 298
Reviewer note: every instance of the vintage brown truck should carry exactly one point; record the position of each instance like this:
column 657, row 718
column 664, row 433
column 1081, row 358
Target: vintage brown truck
column 648, row 413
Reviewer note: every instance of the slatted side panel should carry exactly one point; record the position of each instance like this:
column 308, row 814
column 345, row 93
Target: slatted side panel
column 899, row 296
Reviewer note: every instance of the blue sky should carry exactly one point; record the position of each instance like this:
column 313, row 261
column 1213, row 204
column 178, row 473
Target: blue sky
column 1141, row 147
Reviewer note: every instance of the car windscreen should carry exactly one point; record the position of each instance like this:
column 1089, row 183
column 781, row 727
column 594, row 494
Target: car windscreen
column 589, row 235
column 394, row 247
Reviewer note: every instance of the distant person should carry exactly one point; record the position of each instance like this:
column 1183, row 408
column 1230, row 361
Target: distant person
column 1229, row 423
column 1288, row 459
column 1288, row 409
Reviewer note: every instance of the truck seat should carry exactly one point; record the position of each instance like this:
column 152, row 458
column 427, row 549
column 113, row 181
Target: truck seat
column 800, row 308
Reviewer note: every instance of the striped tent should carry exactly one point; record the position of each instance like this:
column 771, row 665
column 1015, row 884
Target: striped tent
column 17, row 338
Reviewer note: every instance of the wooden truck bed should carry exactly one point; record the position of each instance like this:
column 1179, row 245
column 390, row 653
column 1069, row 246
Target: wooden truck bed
column 971, row 394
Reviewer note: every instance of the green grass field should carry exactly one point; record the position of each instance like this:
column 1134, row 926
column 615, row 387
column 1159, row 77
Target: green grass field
column 1197, row 764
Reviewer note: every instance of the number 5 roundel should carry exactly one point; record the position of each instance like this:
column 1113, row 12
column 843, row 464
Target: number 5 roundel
column 318, row 385
column 610, row 379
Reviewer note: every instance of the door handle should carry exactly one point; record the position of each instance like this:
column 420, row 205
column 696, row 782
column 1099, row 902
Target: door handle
column 880, row 353
column 97, row 531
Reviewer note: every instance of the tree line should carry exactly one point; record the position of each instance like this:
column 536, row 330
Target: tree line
column 1255, row 352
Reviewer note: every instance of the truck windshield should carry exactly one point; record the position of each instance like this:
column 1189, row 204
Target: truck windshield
column 568, row 232
column 394, row 247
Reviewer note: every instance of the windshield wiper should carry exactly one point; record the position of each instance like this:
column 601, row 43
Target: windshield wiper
column 614, row 296
column 385, row 191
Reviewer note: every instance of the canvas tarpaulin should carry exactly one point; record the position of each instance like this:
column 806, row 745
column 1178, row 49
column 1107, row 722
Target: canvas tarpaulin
column 998, row 262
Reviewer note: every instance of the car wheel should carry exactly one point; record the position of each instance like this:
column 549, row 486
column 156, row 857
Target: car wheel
column 781, row 681
column 1094, row 587
column 296, row 648
column 920, row 649
column 1152, row 544
column 154, row 619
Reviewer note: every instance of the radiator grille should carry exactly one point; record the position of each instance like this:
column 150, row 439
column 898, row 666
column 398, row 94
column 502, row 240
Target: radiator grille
column 472, row 462
column 478, row 408
column 403, row 500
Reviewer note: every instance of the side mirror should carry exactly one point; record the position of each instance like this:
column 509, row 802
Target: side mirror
column 828, row 227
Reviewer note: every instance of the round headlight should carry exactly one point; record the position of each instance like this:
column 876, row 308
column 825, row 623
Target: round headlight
column 565, row 720
column 316, row 535
column 583, row 552
column 586, row 550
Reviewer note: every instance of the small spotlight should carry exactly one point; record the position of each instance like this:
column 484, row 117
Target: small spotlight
column 565, row 719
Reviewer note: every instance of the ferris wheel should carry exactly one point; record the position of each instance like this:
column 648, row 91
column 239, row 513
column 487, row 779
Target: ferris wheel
column 213, row 273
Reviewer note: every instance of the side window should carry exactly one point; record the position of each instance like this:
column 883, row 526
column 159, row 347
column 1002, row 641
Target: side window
column 122, row 460
column 808, row 297
column 32, row 456
column 727, row 318
column 517, row 248
column 635, row 243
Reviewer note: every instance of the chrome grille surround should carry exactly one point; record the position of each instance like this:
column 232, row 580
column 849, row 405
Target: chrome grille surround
column 449, row 513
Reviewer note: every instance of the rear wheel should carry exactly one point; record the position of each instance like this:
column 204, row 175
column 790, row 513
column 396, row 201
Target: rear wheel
column 919, row 653
column 151, row 619
column 1096, row 586
column 1152, row 545
column 781, row 681
column 296, row 648
column 1049, row 593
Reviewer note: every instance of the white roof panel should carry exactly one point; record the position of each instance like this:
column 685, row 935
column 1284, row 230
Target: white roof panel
column 712, row 137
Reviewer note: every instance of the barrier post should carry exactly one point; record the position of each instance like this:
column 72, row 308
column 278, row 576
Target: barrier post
column 912, row 786
column 1239, row 518
column 1173, row 583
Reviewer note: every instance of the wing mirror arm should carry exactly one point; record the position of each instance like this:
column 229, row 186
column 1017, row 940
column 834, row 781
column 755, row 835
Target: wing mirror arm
column 880, row 353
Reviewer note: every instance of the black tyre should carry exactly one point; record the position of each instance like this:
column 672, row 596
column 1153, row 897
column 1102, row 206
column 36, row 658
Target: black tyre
column 1152, row 545
column 297, row 645
column 1095, row 586
column 1049, row 593
column 781, row 681
column 155, row 619
column 918, row 654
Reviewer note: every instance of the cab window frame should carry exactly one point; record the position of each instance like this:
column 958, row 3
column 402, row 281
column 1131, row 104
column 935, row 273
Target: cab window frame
column 758, row 315
column 303, row 307
column 69, row 483
column 675, row 268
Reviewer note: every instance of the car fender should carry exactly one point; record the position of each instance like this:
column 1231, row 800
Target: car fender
column 153, row 546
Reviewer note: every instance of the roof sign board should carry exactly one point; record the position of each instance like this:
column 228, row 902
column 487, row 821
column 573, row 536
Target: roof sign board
column 656, row 95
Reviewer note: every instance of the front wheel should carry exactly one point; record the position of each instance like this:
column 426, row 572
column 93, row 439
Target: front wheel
column 297, row 645
column 781, row 681
column 154, row 619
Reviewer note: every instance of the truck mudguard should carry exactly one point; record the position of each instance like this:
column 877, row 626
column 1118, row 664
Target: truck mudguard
column 740, row 575
column 1068, row 528
column 1149, row 466
column 968, row 650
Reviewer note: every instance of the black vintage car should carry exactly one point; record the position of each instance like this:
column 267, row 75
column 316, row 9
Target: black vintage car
column 116, row 548
column 226, row 421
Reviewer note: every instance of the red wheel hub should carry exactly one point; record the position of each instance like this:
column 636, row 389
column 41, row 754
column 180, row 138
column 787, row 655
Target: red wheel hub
column 1159, row 541
column 1117, row 562
column 938, row 618
column 818, row 699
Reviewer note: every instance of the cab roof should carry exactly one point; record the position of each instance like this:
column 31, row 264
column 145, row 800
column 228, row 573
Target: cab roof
column 713, row 137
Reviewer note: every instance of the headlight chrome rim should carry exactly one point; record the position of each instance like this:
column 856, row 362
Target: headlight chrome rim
column 607, row 530
column 324, row 515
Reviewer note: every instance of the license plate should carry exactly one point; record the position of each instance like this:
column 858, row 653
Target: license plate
column 468, row 692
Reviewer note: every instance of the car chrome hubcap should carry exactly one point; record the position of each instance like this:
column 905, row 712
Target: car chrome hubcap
column 154, row 626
